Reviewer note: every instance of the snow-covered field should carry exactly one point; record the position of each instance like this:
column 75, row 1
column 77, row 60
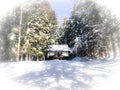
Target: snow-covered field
column 60, row 75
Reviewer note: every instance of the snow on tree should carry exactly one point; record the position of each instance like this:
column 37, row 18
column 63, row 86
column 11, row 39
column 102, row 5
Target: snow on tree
column 40, row 29
column 39, row 23
column 90, row 29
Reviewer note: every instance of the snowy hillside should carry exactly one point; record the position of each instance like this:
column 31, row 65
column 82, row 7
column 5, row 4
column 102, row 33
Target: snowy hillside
column 60, row 75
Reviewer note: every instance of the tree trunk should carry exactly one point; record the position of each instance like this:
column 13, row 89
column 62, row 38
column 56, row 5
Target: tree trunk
column 37, row 58
column 21, row 59
column 43, row 57
column 19, row 37
column 118, row 42
column 27, row 57
column 113, row 46
column 108, row 50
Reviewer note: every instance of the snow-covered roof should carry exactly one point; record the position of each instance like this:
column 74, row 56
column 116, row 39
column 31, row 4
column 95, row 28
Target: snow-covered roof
column 58, row 48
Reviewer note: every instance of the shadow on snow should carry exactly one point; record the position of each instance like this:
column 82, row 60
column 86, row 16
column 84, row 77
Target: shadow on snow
column 63, row 76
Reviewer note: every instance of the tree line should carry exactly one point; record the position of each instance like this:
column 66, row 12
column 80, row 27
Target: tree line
column 91, row 30
column 38, row 28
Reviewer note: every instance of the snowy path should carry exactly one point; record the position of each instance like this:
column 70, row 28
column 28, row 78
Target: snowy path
column 60, row 75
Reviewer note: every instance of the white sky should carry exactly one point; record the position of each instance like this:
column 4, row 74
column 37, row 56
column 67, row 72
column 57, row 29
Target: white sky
column 6, row 5
column 114, row 5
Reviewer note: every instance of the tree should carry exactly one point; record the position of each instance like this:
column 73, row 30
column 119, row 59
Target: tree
column 38, row 28
column 7, row 24
column 87, row 31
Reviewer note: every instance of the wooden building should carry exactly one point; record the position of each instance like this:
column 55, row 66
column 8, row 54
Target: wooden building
column 58, row 52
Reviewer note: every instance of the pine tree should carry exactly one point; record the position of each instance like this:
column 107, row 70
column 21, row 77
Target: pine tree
column 40, row 30
column 39, row 23
column 89, row 30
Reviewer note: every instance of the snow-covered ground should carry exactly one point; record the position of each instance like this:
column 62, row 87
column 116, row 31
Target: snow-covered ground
column 78, row 74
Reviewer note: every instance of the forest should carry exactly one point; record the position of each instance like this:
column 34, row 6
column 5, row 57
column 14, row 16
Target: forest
column 90, row 31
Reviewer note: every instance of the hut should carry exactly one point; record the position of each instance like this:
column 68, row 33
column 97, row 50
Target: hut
column 58, row 52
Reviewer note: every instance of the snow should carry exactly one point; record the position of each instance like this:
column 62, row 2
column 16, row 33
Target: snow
column 77, row 74
column 58, row 48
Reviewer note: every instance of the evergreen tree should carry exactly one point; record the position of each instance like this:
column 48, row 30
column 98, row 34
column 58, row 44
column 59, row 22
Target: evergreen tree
column 39, row 23
column 40, row 29
column 87, row 31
